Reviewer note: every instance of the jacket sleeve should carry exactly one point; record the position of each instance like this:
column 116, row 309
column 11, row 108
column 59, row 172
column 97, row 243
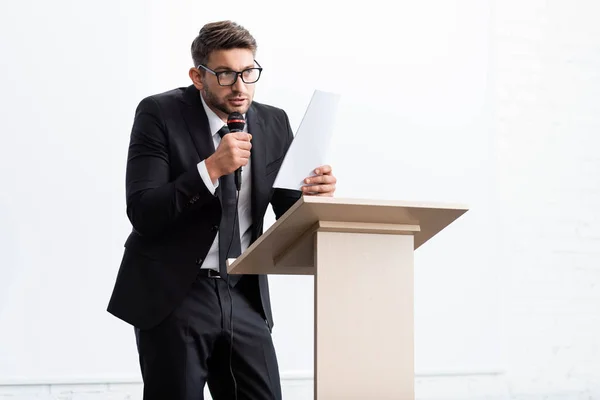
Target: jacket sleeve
column 154, row 202
column 283, row 199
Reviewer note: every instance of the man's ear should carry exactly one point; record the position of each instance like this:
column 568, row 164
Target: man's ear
column 196, row 78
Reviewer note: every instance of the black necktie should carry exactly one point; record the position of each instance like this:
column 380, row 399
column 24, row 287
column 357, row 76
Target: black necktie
column 229, row 217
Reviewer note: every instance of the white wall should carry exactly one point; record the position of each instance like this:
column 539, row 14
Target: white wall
column 476, row 87
column 547, row 63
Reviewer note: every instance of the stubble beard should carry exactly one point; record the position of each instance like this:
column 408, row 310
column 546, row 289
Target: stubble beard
column 213, row 101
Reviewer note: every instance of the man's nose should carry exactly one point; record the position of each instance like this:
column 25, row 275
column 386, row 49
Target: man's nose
column 239, row 86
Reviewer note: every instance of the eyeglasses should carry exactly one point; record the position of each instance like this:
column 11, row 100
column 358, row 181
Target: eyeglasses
column 229, row 78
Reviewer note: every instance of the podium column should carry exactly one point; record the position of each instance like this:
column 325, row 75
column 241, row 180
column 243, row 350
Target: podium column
column 364, row 311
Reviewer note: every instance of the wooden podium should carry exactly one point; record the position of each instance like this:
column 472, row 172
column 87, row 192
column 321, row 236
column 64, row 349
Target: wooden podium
column 361, row 255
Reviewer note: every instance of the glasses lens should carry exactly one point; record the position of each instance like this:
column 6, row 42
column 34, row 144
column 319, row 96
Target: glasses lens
column 227, row 78
column 251, row 75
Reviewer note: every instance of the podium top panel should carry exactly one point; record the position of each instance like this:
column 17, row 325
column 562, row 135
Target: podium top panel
column 431, row 217
column 308, row 211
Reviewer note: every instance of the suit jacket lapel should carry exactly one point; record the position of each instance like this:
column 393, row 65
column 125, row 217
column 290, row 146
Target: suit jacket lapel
column 197, row 123
column 258, row 160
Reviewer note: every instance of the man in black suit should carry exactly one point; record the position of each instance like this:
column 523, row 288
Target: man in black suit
column 188, row 217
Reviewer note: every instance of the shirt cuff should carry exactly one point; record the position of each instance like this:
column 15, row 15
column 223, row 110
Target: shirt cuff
column 212, row 187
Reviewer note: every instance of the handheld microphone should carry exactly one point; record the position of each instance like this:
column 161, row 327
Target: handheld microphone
column 236, row 123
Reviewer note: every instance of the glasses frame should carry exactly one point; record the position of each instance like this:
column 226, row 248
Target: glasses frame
column 219, row 73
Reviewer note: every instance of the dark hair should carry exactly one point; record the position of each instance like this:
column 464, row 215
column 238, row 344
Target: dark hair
column 221, row 35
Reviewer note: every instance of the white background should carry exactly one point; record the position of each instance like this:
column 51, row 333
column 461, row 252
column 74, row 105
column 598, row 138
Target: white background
column 414, row 124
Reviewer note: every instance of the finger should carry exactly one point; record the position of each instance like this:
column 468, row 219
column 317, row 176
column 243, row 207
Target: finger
column 243, row 154
column 241, row 161
column 246, row 137
column 323, row 170
column 320, row 179
column 318, row 188
column 244, row 145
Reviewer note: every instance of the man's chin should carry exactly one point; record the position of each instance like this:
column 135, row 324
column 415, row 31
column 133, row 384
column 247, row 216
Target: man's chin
column 242, row 109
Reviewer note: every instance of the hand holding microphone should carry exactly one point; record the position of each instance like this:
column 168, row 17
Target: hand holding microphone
column 233, row 152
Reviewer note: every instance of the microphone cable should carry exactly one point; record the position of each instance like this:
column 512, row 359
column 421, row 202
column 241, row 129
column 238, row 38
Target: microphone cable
column 237, row 198
column 235, row 123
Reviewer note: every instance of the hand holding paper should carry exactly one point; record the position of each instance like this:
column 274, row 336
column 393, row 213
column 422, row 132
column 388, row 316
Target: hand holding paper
column 320, row 184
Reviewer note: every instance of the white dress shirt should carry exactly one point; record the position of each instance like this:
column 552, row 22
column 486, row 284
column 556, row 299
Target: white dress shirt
column 244, row 204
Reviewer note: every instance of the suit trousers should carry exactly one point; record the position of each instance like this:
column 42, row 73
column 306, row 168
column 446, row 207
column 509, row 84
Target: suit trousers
column 193, row 346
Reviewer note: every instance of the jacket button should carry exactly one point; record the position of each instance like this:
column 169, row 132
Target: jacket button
column 214, row 228
column 199, row 261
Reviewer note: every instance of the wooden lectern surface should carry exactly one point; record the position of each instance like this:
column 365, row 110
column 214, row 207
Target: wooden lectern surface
column 287, row 247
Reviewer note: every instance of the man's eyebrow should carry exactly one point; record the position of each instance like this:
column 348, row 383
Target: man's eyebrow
column 229, row 69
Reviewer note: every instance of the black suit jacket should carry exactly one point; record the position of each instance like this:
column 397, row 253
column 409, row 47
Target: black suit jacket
column 173, row 214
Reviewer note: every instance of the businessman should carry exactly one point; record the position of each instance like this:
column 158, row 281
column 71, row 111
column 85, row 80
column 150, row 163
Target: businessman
column 188, row 217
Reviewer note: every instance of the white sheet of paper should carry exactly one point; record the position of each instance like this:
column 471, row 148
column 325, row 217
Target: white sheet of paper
column 310, row 147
